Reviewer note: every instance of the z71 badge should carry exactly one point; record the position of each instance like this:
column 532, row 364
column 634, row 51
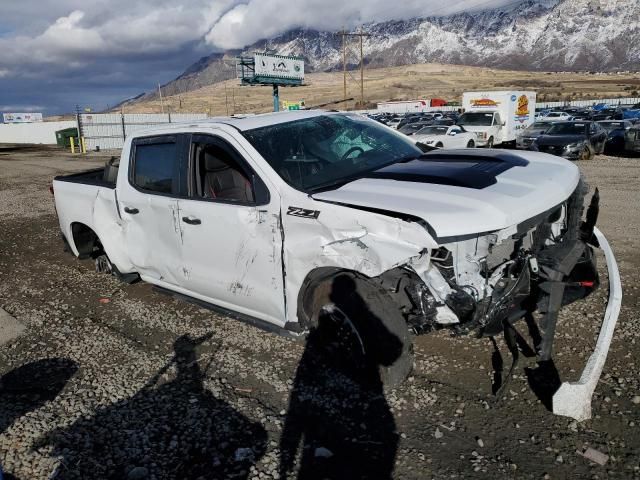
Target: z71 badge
column 302, row 212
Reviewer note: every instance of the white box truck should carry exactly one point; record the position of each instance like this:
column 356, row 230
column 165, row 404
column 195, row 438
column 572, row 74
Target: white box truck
column 497, row 117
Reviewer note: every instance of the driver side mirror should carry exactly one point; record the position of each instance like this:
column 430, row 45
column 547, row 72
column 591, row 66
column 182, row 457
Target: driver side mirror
column 453, row 133
column 504, row 124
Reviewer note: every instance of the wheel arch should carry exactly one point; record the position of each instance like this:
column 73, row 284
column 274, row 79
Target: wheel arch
column 84, row 240
column 313, row 279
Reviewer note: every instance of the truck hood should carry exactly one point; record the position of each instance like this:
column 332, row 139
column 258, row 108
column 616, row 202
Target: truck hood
column 464, row 192
column 478, row 128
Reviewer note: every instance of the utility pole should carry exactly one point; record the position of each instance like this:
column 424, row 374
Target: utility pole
column 361, row 71
column 160, row 93
column 344, row 64
column 344, row 34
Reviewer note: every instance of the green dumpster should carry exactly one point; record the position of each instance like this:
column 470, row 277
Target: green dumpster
column 63, row 137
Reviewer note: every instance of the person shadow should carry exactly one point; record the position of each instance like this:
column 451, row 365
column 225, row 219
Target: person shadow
column 172, row 430
column 339, row 424
column 30, row 386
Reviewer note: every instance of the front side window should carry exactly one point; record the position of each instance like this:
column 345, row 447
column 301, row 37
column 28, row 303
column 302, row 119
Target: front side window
column 156, row 166
column 313, row 153
column 219, row 174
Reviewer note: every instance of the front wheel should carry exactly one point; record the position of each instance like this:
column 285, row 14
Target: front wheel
column 585, row 154
column 471, row 144
column 359, row 330
column 439, row 145
column 490, row 143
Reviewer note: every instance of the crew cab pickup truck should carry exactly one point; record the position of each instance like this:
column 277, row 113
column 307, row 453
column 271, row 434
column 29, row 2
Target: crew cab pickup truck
column 302, row 220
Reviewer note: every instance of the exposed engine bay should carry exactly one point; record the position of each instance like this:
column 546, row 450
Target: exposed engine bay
column 486, row 282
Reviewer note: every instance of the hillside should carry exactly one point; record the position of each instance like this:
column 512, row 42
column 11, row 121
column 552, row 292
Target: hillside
column 396, row 83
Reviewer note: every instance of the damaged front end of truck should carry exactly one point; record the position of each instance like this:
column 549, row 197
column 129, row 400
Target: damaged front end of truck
column 484, row 284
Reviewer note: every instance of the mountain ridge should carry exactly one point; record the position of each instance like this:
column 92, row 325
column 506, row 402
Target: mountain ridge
column 544, row 35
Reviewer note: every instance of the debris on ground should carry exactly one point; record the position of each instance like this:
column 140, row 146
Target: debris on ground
column 594, row 455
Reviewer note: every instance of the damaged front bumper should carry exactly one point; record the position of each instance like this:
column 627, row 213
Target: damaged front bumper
column 573, row 399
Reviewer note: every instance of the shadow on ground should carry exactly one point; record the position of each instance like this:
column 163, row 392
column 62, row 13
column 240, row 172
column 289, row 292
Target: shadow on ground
column 339, row 424
column 30, row 386
column 175, row 430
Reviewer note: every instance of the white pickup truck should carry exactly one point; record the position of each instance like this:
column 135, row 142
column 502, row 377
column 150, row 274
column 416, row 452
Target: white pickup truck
column 301, row 219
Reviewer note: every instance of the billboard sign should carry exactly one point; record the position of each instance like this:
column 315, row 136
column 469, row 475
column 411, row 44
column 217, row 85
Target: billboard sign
column 21, row 117
column 279, row 66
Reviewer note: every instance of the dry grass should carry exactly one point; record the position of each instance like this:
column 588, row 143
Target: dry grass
column 398, row 83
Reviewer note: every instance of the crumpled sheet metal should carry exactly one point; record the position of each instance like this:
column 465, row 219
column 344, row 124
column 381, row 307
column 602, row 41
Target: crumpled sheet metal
column 573, row 399
column 368, row 243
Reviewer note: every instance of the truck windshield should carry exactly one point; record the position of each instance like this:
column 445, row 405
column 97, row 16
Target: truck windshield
column 328, row 150
column 476, row 119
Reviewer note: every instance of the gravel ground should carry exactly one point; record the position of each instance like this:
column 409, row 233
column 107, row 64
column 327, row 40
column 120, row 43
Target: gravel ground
column 118, row 381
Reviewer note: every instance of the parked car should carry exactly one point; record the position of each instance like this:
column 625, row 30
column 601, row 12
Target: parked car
column 556, row 116
column 572, row 140
column 606, row 114
column 632, row 139
column 411, row 128
column 527, row 136
column 443, row 136
column 616, row 130
column 309, row 220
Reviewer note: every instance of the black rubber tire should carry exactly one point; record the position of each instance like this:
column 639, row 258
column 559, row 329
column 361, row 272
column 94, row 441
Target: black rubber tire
column 439, row 145
column 490, row 142
column 586, row 154
column 471, row 144
column 378, row 326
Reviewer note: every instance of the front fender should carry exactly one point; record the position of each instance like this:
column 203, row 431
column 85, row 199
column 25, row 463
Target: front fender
column 347, row 238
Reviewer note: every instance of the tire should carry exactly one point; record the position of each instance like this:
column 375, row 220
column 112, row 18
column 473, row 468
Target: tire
column 471, row 144
column 586, row 153
column 490, row 142
column 439, row 145
column 357, row 322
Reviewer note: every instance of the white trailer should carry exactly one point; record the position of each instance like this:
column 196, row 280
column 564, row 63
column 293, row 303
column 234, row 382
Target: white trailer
column 407, row 106
column 497, row 117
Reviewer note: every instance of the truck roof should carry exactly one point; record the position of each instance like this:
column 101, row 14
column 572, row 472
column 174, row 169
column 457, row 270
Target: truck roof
column 242, row 123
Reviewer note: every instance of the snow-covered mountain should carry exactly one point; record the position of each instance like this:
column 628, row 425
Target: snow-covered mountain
column 552, row 35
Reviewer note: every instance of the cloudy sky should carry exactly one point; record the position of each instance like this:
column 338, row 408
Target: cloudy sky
column 55, row 54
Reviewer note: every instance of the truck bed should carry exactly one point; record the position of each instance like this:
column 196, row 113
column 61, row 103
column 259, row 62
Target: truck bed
column 90, row 177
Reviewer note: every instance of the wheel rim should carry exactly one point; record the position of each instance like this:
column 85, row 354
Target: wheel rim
column 340, row 318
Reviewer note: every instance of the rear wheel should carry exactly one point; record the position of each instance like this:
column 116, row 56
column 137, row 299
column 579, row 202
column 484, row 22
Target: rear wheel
column 471, row 144
column 358, row 327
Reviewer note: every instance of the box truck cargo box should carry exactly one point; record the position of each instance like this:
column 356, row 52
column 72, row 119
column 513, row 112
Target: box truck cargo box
column 497, row 117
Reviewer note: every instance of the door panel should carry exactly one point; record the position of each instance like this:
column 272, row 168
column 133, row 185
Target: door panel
column 233, row 256
column 231, row 235
column 149, row 206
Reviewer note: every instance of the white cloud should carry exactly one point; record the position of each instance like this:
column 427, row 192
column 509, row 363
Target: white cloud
column 258, row 19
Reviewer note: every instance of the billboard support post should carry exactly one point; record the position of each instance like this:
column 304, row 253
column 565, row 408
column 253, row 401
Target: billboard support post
column 276, row 98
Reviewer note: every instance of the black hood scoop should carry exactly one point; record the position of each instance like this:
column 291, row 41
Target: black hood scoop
column 458, row 168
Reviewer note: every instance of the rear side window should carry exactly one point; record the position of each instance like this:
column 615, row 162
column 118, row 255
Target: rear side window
column 156, row 167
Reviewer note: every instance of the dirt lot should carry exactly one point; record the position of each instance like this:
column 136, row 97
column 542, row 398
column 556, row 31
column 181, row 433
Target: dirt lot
column 118, row 381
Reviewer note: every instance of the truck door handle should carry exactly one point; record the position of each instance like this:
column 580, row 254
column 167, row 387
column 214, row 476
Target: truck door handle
column 131, row 211
column 191, row 220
